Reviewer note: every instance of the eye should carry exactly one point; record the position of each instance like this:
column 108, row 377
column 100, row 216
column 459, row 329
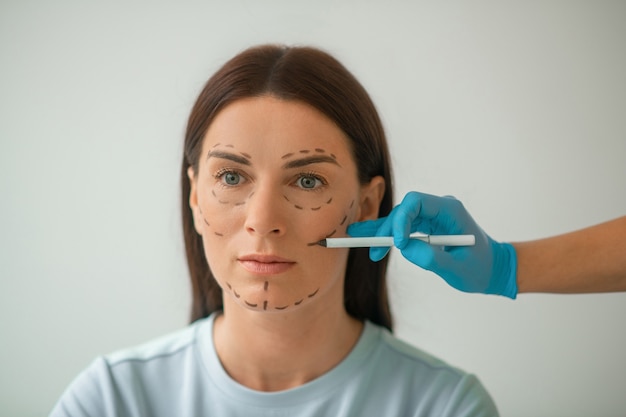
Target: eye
column 309, row 182
column 230, row 178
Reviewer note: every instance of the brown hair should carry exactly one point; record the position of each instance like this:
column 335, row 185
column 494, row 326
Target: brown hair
column 314, row 77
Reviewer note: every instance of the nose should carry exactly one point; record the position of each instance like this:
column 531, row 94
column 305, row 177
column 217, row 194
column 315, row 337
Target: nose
column 265, row 212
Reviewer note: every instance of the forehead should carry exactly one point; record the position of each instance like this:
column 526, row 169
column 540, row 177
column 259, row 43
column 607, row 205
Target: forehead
column 269, row 125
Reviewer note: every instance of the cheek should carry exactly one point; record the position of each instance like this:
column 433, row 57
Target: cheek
column 216, row 218
column 331, row 221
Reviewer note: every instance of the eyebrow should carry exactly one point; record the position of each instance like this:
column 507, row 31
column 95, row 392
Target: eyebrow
column 230, row 156
column 298, row 163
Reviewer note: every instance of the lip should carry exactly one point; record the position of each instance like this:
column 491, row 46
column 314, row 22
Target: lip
column 265, row 264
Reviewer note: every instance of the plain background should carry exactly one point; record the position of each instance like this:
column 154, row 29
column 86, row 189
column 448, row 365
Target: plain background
column 516, row 108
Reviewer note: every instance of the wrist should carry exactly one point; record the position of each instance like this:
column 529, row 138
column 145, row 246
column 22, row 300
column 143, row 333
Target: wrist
column 504, row 275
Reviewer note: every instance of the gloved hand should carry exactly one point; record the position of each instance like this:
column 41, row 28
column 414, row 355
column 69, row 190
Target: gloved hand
column 487, row 267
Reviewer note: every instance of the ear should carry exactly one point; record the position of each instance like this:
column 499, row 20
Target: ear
column 371, row 195
column 193, row 200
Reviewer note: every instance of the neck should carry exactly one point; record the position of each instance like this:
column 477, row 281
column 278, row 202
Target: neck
column 275, row 351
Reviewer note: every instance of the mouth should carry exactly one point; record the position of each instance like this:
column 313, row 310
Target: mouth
column 265, row 264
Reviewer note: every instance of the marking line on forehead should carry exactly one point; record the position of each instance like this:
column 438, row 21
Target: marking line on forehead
column 244, row 160
column 316, row 159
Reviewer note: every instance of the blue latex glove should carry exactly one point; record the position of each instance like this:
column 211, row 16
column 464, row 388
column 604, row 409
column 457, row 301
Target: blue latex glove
column 487, row 267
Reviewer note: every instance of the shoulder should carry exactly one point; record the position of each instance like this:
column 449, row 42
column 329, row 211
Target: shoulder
column 415, row 377
column 414, row 355
column 399, row 353
column 162, row 348
column 131, row 375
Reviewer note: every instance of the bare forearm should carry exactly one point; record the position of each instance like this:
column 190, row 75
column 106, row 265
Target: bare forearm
column 584, row 261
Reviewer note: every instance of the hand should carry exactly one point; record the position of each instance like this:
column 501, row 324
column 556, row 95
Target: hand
column 487, row 267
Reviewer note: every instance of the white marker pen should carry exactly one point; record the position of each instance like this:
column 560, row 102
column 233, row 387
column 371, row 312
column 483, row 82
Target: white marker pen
column 387, row 241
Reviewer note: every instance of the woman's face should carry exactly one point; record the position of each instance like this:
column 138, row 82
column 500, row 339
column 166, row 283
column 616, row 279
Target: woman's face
column 274, row 178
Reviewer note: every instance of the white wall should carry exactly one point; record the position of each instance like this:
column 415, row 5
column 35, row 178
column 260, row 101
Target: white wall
column 518, row 109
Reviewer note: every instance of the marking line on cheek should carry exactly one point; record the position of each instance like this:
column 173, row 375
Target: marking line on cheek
column 250, row 304
column 313, row 294
column 318, row 150
column 217, row 198
column 265, row 305
column 267, row 284
column 305, row 151
column 329, row 201
column 287, row 155
column 341, row 223
column 202, row 215
column 316, row 208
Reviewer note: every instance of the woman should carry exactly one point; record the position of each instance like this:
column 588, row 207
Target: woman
column 283, row 148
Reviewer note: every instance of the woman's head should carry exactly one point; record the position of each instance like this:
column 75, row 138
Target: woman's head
column 313, row 84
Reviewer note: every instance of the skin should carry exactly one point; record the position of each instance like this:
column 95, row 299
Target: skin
column 275, row 177
column 584, row 261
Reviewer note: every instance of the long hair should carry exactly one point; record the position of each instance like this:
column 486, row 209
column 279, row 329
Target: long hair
column 314, row 77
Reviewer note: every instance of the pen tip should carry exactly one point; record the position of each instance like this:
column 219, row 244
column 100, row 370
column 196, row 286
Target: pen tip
column 322, row 242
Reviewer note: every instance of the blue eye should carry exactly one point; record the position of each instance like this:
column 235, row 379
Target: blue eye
column 309, row 182
column 229, row 178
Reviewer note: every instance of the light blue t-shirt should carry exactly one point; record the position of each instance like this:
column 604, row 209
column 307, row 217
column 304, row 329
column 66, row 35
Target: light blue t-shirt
column 180, row 375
